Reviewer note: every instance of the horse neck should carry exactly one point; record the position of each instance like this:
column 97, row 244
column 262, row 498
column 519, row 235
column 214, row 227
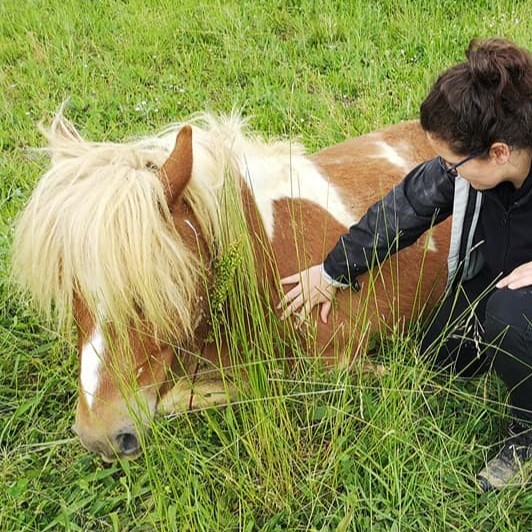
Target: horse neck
column 195, row 241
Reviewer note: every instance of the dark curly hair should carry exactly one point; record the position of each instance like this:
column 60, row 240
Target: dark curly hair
column 483, row 100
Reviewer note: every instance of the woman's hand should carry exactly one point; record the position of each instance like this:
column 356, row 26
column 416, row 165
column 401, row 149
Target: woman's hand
column 519, row 278
column 311, row 289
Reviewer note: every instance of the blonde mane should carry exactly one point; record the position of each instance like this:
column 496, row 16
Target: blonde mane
column 97, row 225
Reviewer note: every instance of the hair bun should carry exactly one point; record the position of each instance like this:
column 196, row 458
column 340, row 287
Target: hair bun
column 497, row 61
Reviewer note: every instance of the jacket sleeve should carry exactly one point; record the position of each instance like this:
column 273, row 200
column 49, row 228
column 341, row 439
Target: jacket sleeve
column 422, row 199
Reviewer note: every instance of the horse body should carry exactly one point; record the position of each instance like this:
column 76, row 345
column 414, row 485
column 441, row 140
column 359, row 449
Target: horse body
column 123, row 238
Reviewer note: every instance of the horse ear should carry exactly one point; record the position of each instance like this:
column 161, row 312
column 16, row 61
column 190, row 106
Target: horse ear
column 63, row 139
column 65, row 130
column 177, row 170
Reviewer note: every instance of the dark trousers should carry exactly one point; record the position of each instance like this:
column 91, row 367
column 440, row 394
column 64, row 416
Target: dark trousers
column 478, row 327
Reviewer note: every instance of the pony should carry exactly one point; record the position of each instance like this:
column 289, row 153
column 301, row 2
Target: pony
column 123, row 243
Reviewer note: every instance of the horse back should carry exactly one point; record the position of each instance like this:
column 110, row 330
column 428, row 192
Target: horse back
column 361, row 171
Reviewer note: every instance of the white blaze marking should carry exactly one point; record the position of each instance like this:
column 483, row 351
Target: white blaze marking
column 91, row 362
column 293, row 176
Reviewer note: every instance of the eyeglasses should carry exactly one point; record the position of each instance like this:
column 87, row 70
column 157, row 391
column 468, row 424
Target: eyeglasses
column 451, row 169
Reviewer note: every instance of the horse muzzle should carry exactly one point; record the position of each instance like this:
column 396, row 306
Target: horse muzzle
column 124, row 444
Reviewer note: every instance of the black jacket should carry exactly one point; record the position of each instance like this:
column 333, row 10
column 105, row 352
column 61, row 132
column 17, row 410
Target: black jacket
column 493, row 227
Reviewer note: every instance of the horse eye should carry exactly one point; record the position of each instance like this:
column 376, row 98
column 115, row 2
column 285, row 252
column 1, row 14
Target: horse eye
column 137, row 307
column 150, row 165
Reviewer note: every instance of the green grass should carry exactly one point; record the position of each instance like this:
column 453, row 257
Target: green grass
column 310, row 450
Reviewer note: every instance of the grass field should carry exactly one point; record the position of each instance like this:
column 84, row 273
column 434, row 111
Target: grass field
column 321, row 451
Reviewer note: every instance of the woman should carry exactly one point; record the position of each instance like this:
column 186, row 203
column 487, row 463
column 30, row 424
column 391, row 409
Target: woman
column 478, row 119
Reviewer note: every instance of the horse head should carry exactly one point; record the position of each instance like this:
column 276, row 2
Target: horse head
column 110, row 243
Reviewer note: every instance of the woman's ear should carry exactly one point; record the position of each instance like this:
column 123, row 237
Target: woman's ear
column 499, row 152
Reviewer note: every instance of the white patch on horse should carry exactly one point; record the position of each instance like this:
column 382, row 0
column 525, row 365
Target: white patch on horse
column 391, row 154
column 431, row 245
column 91, row 362
column 291, row 176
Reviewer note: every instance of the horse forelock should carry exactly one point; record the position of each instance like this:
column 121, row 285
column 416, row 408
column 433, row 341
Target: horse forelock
column 97, row 227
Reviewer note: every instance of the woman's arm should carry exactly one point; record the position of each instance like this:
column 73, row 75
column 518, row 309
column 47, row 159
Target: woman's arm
column 422, row 199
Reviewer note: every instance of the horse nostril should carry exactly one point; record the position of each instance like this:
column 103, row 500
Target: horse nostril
column 127, row 443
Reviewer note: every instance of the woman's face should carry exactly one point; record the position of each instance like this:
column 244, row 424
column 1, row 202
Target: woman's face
column 487, row 170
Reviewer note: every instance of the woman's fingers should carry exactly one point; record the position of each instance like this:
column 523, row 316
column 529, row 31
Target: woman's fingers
column 290, row 296
column 518, row 282
column 324, row 311
column 519, row 278
column 291, row 279
column 311, row 290
column 306, row 311
column 292, row 307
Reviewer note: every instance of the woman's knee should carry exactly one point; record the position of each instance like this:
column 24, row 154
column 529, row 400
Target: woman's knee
column 508, row 308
